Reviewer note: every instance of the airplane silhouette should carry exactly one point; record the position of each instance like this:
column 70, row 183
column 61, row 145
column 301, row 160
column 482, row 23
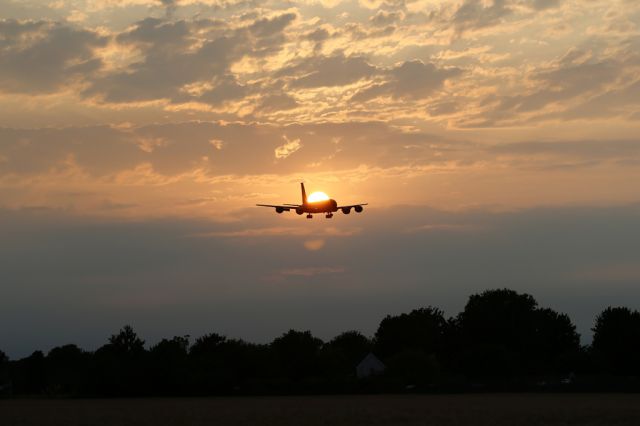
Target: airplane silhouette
column 328, row 207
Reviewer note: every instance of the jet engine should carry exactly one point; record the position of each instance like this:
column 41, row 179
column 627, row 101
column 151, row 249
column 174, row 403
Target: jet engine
column 358, row 209
column 346, row 210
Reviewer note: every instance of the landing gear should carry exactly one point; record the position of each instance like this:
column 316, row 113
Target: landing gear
column 309, row 216
column 329, row 215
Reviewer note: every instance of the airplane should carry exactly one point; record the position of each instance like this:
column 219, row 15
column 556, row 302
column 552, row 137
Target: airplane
column 317, row 202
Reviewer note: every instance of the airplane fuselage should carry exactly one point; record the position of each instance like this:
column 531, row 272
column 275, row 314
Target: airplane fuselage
column 326, row 206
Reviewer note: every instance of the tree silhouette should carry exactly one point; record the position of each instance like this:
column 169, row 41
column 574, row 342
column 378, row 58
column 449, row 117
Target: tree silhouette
column 501, row 339
column 555, row 345
column 616, row 341
column 4, row 373
column 168, row 368
column 66, row 370
column 126, row 341
column 504, row 334
column 219, row 364
column 412, row 344
column 341, row 354
column 29, row 374
column 119, row 367
column 420, row 330
column 296, row 354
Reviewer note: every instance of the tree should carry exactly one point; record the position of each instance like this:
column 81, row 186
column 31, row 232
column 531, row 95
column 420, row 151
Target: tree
column 341, row 355
column 616, row 340
column 504, row 333
column 296, row 354
column 126, row 341
column 420, row 330
column 28, row 374
column 168, row 371
column 221, row 365
column 4, row 372
column 66, row 370
column 556, row 344
column 412, row 344
column 119, row 367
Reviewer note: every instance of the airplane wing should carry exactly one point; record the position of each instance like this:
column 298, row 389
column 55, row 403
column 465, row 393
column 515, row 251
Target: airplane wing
column 285, row 207
column 353, row 205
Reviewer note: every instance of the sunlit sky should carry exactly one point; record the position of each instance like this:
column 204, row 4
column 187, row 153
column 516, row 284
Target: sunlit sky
column 497, row 143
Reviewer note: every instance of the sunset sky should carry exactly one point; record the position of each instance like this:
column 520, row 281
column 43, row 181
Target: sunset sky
column 496, row 141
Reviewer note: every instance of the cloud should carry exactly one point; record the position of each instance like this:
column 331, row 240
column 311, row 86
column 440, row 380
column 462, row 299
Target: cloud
column 173, row 58
column 258, row 232
column 283, row 231
column 383, row 18
column 545, row 4
column 410, row 80
column 43, row 57
column 586, row 149
column 277, row 102
column 324, row 71
column 476, row 14
column 185, row 152
column 570, row 87
column 312, row 271
column 188, row 60
column 443, row 227
column 314, row 245
column 290, row 146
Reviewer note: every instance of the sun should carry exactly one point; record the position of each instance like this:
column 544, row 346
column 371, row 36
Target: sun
column 317, row 196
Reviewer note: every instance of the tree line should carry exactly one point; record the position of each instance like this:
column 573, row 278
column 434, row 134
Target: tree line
column 502, row 340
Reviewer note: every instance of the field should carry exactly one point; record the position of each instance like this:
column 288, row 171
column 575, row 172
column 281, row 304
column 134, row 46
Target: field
column 459, row 410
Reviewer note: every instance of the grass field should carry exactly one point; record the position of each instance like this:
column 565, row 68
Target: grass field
column 476, row 409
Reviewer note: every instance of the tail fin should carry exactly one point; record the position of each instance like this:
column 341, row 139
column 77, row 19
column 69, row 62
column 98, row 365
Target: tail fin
column 304, row 194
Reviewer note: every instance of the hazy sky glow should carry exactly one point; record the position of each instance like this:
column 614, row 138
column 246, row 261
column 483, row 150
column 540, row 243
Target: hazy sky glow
column 497, row 142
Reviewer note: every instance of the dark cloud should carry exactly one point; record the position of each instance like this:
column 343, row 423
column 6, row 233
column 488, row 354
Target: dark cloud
column 577, row 153
column 410, row 80
column 335, row 70
column 268, row 27
column 318, row 35
column 566, row 81
column 267, row 34
column 383, row 18
column 172, row 59
column 476, row 14
column 545, row 4
column 170, row 6
column 473, row 15
column 621, row 101
column 226, row 88
column 277, row 102
column 176, row 56
column 360, row 32
column 43, row 57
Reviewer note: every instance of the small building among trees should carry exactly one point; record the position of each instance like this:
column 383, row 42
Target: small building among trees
column 369, row 366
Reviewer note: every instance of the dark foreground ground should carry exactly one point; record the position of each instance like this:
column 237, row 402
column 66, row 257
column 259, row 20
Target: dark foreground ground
column 476, row 409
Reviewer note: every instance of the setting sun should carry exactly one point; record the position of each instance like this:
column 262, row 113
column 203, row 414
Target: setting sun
column 317, row 196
